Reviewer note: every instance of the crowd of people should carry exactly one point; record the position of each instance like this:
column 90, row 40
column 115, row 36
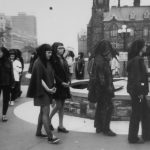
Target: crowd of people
column 51, row 74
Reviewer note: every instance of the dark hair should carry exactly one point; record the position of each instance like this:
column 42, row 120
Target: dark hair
column 18, row 53
column 81, row 54
column 71, row 53
column 102, row 48
column 5, row 52
column 55, row 46
column 135, row 48
column 13, row 52
column 41, row 52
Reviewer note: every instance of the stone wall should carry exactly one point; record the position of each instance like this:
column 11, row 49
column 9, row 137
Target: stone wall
column 79, row 106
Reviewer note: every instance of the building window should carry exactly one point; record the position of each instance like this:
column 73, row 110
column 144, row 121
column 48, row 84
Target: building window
column 146, row 15
column 114, row 30
column 145, row 31
column 131, row 31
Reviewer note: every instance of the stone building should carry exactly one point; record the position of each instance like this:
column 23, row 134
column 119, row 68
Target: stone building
column 105, row 23
column 82, row 42
column 18, row 31
column 23, row 31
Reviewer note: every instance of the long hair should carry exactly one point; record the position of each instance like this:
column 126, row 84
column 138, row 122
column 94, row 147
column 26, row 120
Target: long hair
column 135, row 48
column 41, row 52
column 71, row 54
column 55, row 46
column 5, row 52
column 102, row 48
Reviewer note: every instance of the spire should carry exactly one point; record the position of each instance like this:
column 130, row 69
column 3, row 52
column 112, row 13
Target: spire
column 118, row 3
column 136, row 3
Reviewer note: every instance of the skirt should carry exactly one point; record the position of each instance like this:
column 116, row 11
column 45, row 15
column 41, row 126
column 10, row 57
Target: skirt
column 43, row 100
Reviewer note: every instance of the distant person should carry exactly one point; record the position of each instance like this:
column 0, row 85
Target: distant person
column 6, row 80
column 32, row 60
column 115, row 64
column 20, row 58
column 101, row 88
column 41, row 88
column 17, row 70
column 79, row 66
column 62, row 77
column 70, row 60
column 137, row 87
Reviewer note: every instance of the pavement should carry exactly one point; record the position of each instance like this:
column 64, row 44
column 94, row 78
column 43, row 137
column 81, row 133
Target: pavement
column 19, row 132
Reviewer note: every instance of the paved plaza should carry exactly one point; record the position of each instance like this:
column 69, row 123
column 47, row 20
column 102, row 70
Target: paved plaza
column 19, row 132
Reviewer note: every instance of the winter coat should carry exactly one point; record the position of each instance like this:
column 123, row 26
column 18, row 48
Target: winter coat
column 137, row 76
column 101, row 82
column 61, row 69
column 6, row 72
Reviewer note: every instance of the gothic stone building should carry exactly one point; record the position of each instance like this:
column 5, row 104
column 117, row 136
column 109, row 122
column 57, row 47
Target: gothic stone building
column 105, row 23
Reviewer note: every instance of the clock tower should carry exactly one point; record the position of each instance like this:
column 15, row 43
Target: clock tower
column 95, row 29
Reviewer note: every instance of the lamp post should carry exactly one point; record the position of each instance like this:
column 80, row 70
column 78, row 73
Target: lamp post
column 124, row 33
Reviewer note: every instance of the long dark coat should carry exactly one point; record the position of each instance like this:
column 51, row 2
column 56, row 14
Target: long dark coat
column 101, row 83
column 40, row 72
column 6, row 72
column 137, row 76
column 61, row 69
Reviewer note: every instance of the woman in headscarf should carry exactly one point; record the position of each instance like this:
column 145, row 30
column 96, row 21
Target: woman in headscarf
column 62, row 77
column 41, row 88
column 101, row 89
column 137, row 87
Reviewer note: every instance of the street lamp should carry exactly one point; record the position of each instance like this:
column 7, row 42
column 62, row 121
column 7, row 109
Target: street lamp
column 124, row 33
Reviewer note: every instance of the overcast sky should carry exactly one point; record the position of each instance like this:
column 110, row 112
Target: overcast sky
column 63, row 23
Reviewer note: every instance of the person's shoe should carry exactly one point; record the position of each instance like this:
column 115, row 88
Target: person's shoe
column 42, row 135
column 109, row 133
column 53, row 140
column 4, row 118
column 98, row 130
column 138, row 141
column 63, row 130
column 11, row 103
column 51, row 127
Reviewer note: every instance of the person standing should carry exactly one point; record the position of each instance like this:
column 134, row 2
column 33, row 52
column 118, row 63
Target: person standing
column 79, row 66
column 61, row 69
column 70, row 60
column 17, row 69
column 6, row 79
column 137, row 87
column 101, row 88
column 41, row 88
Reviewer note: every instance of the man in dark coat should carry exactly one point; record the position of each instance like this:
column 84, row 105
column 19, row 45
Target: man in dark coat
column 101, row 89
column 137, row 87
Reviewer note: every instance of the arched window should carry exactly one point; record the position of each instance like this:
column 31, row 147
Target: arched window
column 145, row 31
column 114, row 30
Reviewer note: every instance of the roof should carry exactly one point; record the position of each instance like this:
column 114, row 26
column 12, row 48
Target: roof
column 127, row 13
